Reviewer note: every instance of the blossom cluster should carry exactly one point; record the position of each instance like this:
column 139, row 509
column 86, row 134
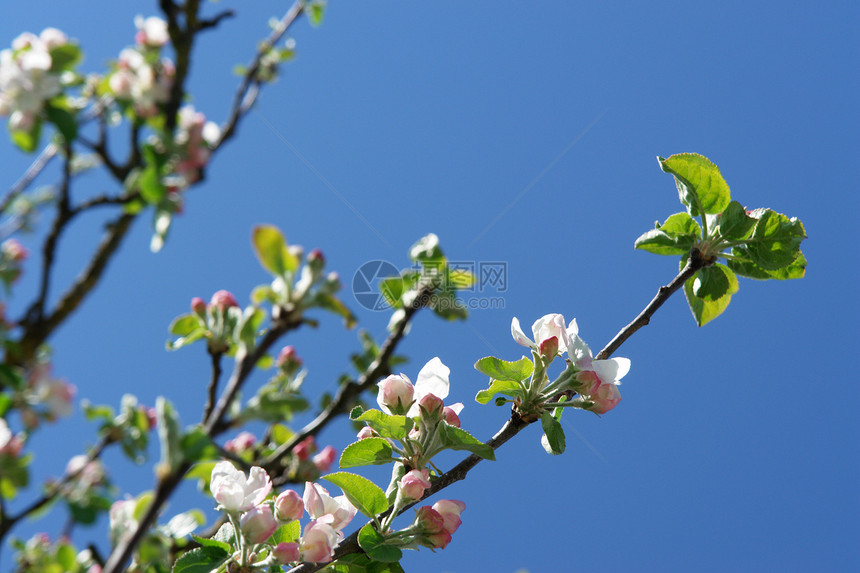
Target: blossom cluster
column 245, row 499
column 597, row 380
column 397, row 394
column 141, row 77
column 28, row 78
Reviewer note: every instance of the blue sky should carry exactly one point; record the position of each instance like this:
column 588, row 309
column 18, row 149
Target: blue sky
column 527, row 134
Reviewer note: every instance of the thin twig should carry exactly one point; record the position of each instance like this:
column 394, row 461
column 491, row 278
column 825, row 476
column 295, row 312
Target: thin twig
column 350, row 390
column 30, row 175
column 247, row 92
column 694, row 263
column 212, row 392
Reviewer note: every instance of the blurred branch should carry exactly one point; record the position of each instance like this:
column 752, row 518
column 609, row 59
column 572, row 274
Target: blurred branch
column 30, row 175
column 248, row 90
column 212, row 392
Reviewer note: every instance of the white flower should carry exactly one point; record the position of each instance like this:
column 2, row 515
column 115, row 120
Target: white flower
column 234, row 491
column 151, row 32
column 543, row 329
column 323, row 508
column 432, row 379
column 610, row 371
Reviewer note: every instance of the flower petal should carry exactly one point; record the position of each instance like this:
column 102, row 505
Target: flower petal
column 518, row 334
column 433, row 379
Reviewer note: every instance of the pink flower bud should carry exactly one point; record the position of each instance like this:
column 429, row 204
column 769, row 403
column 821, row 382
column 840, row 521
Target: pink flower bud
column 14, row 250
column 431, row 405
column 289, row 506
column 223, row 300
column 53, row 38
column 244, row 441
column 325, row 458
column 451, row 414
column 305, row 448
column 288, row 357
column 151, row 416
column 395, row 394
column 450, row 510
column 413, row 484
column 367, row 432
column 549, row 348
column 429, row 520
column 605, row 398
column 258, row 524
column 286, row 553
column 198, row 306
column 316, row 258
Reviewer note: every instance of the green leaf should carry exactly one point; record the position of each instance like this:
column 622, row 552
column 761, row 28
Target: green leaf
column 775, row 240
column 446, row 305
column 499, row 369
column 316, row 11
column 734, row 223
column 287, row 533
column 711, row 283
column 374, row 545
column 271, row 249
column 386, row 425
column 506, row 387
column 64, row 120
column 743, row 265
column 197, row 446
column 185, row 324
column 28, row 140
column 701, row 188
column 460, row 279
column 365, row 495
column 458, row 439
column 369, row 451
column 704, row 310
column 201, row 560
column 64, row 57
column 204, row 542
column 169, row 432
column 152, row 189
column 674, row 237
column 553, row 435
column 361, row 563
column 333, row 304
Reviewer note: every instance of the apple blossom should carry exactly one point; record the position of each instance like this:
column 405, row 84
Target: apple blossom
column 450, row 510
column 286, row 553
column 122, row 521
column 87, row 472
column 26, row 80
column 55, row 394
column 325, row 458
column 605, row 397
column 288, row 357
column 258, row 524
column 432, row 379
column 318, row 542
column 289, row 506
column 334, row 511
column 13, row 250
column 395, row 394
column 234, row 491
column 151, row 32
column 431, row 526
column 198, row 306
column 544, row 328
column 413, row 484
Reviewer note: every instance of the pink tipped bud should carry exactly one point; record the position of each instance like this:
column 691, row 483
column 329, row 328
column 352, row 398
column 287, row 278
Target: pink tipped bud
column 325, row 458
column 258, row 524
column 605, row 398
column 305, row 448
column 244, row 441
column 316, row 258
column 289, row 506
column 14, row 250
column 413, row 484
column 151, row 416
column 395, row 394
column 549, row 348
column 450, row 416
column 288, row 357
column 367, row 432
column 198, row 306
column 431, row 405
column 223, row 300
